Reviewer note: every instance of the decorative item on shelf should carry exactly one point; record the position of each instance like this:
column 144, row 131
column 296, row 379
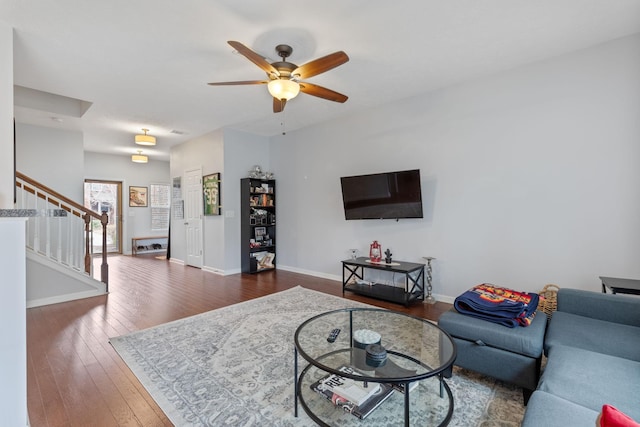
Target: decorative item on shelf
column 376, row 355
column 354, row 253
column 429, row 299
column 387, row 257
column 361, row 339
column 375, row 251
column 256, row 172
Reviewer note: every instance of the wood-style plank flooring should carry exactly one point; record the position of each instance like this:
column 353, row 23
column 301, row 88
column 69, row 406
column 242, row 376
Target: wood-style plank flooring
column 75, row 378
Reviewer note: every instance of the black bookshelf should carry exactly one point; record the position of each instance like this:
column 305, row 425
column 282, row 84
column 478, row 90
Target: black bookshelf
column 258, row 224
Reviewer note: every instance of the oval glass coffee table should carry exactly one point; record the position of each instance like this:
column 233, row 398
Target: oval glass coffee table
column 398, row 351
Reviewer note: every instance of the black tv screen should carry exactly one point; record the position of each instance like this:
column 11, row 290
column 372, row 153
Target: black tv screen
column 390, row 195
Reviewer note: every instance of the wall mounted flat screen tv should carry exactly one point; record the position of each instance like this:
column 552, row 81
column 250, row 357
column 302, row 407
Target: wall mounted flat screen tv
column 391, row 195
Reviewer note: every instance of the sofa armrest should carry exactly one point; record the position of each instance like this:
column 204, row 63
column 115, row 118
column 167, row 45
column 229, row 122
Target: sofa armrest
column 608, row 307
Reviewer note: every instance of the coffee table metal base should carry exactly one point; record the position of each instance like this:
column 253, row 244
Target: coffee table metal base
column 302, row 383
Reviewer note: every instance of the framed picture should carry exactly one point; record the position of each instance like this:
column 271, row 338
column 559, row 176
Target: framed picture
column 260, row 232
column 138, row 197
column 211, row 189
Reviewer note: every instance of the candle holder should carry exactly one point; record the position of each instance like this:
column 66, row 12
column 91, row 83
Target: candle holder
column 429, row 299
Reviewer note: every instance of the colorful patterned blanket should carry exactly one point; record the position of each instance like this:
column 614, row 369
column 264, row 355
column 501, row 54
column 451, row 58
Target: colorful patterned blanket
column 500, row 305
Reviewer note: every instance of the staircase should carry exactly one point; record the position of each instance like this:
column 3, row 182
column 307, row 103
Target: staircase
column 60, row 248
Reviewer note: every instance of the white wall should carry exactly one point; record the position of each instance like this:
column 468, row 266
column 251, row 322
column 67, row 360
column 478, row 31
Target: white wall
column 529, row 177
column 242, row 151
column 205, row 152
column 13, row 347
column 232, row 153
column 13, row 323
column 106, row 167
column 53, row 157
column 7, row 183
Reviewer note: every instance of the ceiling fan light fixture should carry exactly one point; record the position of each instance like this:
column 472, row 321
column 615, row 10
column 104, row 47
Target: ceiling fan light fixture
column 139, row 158
column 145, row 139
column 283, row 89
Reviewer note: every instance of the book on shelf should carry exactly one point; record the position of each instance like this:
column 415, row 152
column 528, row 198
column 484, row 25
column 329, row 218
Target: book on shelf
column 351, row 395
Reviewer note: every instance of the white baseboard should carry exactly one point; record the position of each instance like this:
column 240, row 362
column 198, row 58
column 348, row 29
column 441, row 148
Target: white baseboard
column 177, row 261
column 234, row 271
column 309, row 272
column 221, row 272
column 213, row 270
column 63, row 298
column 444, row 298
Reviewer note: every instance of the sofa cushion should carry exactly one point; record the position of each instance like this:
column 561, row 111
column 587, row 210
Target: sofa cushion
column 622, row 309
column 521, row 340
column 596, row 335
column 592, row 379
column 547, row 410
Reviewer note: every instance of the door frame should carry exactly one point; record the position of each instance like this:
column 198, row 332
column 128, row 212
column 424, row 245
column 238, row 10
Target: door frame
column 118, row 222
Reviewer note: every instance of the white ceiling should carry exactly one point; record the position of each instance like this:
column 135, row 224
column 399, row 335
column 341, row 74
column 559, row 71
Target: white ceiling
column 145, row 63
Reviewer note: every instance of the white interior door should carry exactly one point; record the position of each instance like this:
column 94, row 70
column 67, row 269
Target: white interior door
column 193, row 217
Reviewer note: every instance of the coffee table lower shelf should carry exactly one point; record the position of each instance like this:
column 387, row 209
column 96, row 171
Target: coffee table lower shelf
column 430, row 404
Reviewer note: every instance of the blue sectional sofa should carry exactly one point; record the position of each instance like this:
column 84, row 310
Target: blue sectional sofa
column 592, row 346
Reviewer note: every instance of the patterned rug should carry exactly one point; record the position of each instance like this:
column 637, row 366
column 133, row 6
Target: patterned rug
column 234, row 367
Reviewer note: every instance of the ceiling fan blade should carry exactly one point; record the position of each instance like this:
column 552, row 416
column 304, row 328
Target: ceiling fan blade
column 278, row 105
column 254, row 57
column 322, row 92
column 245, row 82
column 320, row 65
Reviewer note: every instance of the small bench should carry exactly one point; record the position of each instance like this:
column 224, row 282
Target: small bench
column 512, row 355
column 148, row 244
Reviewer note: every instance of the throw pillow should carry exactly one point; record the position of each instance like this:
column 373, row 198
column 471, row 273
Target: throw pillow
column 612, row 417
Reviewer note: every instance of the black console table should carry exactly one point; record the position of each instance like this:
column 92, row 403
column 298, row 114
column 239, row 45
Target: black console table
column 620, row 286
column 353, row 280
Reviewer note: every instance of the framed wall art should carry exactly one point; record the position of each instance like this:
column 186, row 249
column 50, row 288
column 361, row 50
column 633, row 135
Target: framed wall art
column 138, row 197
column 211, row 189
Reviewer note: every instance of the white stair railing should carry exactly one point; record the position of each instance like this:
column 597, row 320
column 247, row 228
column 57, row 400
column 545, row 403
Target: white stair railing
column 66, row 240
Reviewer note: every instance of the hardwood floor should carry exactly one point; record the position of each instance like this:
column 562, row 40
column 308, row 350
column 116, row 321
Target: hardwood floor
column 75, row 378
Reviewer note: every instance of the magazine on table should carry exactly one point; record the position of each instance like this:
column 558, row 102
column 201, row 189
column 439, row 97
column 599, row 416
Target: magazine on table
column 351, row 395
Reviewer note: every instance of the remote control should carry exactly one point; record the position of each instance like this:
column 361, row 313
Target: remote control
column 333, row 335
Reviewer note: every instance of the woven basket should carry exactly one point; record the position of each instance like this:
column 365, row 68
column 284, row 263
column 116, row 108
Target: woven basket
column 548, row 299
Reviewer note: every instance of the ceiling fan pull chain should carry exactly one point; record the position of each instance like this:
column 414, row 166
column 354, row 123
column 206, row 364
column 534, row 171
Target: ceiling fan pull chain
column 283, row 123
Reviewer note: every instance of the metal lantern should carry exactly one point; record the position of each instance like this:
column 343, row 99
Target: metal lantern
column 375, row 252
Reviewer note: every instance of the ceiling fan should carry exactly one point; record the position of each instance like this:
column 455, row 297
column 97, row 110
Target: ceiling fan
column 284, row 79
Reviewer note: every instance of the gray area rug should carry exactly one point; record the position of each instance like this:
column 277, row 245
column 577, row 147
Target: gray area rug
column 234, row 367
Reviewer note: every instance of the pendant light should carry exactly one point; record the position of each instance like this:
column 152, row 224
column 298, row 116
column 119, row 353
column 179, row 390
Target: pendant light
column 145, row 139
column 139, row 158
